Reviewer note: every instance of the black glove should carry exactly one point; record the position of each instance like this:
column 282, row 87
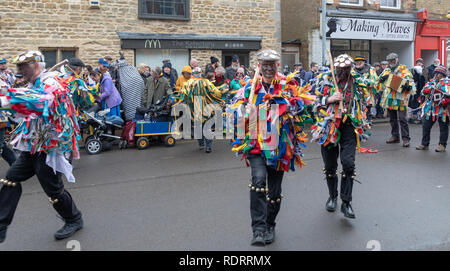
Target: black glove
column 406, row 88
column 384, row 78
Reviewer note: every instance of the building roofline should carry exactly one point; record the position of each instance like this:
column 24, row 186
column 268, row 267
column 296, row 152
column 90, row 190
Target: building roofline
column 372, row 14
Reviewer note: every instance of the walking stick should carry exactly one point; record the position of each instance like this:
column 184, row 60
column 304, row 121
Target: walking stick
column 252, row 90
column 59, row 65
column 330, row 58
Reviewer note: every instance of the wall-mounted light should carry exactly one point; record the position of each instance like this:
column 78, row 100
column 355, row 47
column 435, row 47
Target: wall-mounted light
column 94, row 3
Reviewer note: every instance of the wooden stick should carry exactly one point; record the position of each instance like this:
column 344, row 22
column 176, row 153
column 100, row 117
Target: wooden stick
column 252, row 90
column 59, row 65
column 341, row 104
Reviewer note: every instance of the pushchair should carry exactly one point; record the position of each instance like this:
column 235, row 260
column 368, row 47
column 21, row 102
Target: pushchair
column 103, row 137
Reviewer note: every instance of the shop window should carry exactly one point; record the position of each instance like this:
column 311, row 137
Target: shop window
column 55, row 55
column 397, row 4
column 351, row 47
column 164, row 9
column 358, row 3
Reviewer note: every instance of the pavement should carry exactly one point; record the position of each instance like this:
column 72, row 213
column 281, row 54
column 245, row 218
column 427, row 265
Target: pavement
column 181, row 198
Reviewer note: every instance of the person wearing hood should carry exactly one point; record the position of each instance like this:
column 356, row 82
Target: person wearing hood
column 186, row 75
column 419, row 80
column 167, row 73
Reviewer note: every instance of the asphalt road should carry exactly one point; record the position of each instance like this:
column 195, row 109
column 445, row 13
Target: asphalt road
column 181, row 198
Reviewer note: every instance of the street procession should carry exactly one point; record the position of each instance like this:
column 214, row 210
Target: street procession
column 271, row 128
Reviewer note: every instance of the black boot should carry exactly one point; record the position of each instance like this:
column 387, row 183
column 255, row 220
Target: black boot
column 258, row 239
column 347, row 209
column 270, row 235
column 69, row 229
column 331, row 204
column 332, row 183
column 3, row 234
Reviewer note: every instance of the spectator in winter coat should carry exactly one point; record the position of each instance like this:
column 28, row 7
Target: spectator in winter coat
column 419, row 80
column 312, row 74
column 431, row 68
column 186, row 76
column 167, row 73
column 157, row 87
column 144, row 71
column 109, row 95
column 230, row 73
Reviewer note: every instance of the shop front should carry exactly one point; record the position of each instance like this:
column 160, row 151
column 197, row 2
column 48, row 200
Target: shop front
column 373, row 35
column 431, row 39
column 179, row 48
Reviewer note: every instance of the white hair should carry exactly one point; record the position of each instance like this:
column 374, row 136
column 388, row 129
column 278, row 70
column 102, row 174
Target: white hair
column 41, row 65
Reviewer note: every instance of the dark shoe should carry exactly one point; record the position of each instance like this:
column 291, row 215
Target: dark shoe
column 3, row 234
column 208, row 149
column 331, row 204
column 270, row 235
column 347, row 209
column 406, row 143
column 69, row 229
column 258, row 239
column 393, row 140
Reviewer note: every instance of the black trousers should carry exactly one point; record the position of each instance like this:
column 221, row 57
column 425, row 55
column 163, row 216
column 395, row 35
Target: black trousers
column 264, row 207
column 347, row 149
column 7, row 154
column 426, row 130
column 395, row 117
column 25, row 167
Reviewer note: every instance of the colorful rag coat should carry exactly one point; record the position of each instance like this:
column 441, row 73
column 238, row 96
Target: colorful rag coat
column 285, row 124
column 82, row 93
column 329, row 117
column 370, row 78
column 392, row 99
column 46, row 120
column 201, row 94
column 437, row 98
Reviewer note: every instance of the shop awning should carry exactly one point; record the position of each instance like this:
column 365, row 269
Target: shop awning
column 188, row 41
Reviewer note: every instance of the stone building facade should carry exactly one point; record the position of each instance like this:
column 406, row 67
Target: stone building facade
column 67, row 27
column 301, row 22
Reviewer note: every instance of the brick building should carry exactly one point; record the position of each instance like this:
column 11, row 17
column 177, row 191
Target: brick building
column 372, row 28
column 145, row 30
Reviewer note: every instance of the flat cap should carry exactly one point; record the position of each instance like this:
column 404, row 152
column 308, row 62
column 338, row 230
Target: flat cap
column 76, row 62
column 28, row 56
column 298, row 64
column 268, row 55
column 384, row 62
column 361, row 58
column 391, row 56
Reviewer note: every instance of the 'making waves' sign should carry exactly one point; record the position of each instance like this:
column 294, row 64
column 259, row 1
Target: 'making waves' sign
column 366, row 29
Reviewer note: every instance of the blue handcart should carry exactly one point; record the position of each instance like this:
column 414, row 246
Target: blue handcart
column 146, row 129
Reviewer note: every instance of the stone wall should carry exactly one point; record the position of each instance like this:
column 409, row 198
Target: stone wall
column 34, row 24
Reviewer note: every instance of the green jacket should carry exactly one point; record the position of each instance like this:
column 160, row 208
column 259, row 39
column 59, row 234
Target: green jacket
column 154, row 91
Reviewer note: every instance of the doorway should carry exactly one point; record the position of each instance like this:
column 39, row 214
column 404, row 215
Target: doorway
column 244, row 58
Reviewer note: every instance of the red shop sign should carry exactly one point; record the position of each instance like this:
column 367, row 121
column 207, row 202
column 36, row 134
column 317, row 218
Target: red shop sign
column 436, row 28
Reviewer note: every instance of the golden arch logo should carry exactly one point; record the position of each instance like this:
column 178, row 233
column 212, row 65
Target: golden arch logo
column 153, row 44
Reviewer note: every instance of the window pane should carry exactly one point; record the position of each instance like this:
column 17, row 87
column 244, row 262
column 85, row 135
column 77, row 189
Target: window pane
column 389, row 3
column 360, row 45
column 356, row 2
column 50, row 58
column 340, row 44
column 165, row 7
column 67, row 55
